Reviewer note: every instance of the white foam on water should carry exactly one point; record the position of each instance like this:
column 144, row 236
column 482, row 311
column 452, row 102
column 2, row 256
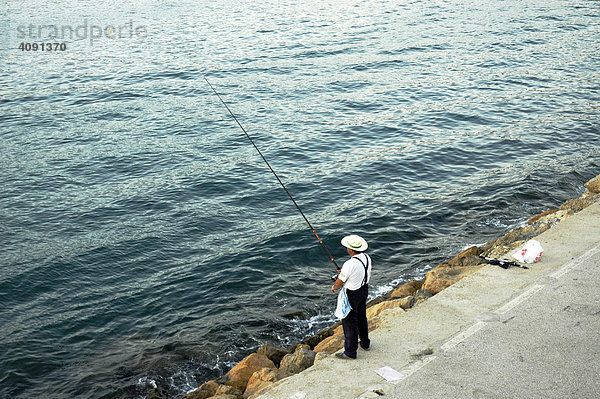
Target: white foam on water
column 382, row 290
column 144, row 381
column 472, row 245
column 183, row 381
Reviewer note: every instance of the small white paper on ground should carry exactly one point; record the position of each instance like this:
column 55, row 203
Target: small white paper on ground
column 389, row 374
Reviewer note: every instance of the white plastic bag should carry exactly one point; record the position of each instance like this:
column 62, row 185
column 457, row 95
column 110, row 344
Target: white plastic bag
column 343, row 305
column 530, row 253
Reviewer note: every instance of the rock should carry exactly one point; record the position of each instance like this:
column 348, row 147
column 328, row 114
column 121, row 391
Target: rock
column 441, row 277
column 376, row 310
column 468, row 257
column 422, row 294
column 318, row 337
column 593, row 185
column 376, row 301
column 336, row 341
column 302, row 346
column 541, row 215
column 577, row 204
column 300, row 360
column 320, row 356
column 223, row 397
column 374, row 323
column 407, row 302
column 504, row 251
column 331, row 344
column 239, row 375
column 274, row 353
column 229, row 390
column 205, row 390
column 262, row 379
column 406, row 289
column 444, row 275
column 552, row 218
column 501, row 246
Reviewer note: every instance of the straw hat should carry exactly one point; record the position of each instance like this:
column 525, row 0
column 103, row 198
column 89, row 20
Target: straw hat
column 355, row 243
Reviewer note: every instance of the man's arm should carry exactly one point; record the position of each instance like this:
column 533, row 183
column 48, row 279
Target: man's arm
column 337, row 285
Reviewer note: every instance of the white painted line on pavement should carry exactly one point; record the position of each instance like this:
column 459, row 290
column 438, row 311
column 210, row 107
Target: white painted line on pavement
column 567, row 268
column 537, row 287
column 463, row 335
column 574, row 263
column 520, row 299
column 414, row 367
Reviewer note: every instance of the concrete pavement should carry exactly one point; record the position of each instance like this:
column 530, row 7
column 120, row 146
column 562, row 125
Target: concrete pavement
column 543, row 344
column 495, row 334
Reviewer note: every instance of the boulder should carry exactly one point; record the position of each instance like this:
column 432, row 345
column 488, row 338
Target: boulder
column 320, row 356
column 376, row 310
column 593, row 185
column 205, row 390
column 375, row 301
column 300, row 360
column 577, row 204
column 301, row 346
column 331, row 344
column 407, row 302
column 273, row 352
column 542, row 215
column 229, row 390
column 336, row 341
column 441, row 277
column 239, row 375
column 313, row 340
column 374, row 323
column 444, row 275
column 468, row 257
column 406, row 289
column 263, row 379
column 422, row 294
column 223, row 397
column 513, row 238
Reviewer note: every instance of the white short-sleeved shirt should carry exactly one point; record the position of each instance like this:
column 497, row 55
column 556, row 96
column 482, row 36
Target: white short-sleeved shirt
column 353, row 272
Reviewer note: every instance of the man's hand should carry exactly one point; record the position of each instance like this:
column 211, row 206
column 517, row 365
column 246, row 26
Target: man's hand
column 337, row 285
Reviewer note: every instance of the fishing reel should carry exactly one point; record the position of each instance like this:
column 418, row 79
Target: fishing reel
column 335, row 276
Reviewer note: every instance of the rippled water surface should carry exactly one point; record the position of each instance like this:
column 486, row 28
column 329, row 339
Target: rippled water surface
column 143, row 241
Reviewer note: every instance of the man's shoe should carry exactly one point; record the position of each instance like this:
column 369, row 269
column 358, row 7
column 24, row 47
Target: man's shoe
column 365, row 348
column 344, row 356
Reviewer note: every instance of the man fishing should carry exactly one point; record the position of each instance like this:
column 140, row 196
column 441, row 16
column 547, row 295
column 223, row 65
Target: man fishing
column 354, row 278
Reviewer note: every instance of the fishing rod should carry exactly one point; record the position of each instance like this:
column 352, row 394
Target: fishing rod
column 272, row 171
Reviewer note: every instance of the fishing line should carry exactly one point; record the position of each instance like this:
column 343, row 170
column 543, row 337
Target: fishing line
column 272, row 171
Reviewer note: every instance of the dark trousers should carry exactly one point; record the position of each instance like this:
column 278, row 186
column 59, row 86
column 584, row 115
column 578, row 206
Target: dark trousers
column 355, row 324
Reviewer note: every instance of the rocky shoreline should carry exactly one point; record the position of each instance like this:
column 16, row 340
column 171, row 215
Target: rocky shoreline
column 256, row 373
